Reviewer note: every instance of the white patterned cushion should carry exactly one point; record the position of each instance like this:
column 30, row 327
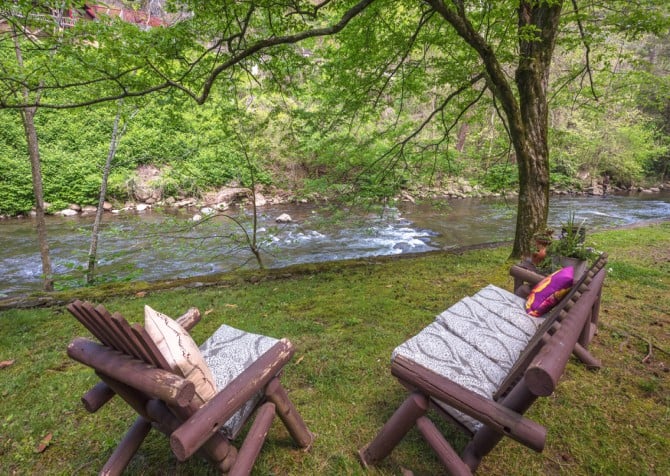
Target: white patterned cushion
column 474, row 343
column 447, row 354
column 228, row 352
column 496, row 338
column 180, row 352
column 508, row 306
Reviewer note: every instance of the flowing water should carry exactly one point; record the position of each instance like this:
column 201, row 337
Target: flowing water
column 152, row 245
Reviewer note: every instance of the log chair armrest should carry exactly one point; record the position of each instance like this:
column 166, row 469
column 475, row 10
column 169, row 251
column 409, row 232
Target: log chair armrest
column 189, row 319
column 549, row 364
column 489, row 412
column 195, row 431
column 157, row 383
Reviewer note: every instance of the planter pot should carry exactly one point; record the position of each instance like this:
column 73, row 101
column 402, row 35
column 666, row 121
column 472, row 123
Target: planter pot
column 578, row 264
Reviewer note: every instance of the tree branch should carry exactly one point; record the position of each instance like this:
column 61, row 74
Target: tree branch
column 587, row 49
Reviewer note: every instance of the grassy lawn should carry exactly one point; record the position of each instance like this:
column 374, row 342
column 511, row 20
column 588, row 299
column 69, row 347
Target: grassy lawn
column 345, row 319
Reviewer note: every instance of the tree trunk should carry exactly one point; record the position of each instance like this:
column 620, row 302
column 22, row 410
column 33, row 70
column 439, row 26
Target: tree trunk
column 28, row 119
column 27, row 116
column 532, row 80
column 525, row 110
column 93, row 250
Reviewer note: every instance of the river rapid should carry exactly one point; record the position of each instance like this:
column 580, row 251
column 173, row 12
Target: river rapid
column 154, row 245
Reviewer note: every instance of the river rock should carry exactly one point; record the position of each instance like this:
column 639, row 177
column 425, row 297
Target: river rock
column 284, row 218
column 89, row 209
column 68, row 212
column 207, row 211
column 142, row 207
column 106, row 206
column 75, row 207
column 187, row 202
column 144, row 185
column 260, row 200
column 226, row 196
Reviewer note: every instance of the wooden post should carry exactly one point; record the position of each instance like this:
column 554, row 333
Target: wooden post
column 155, row 382
column 294, row 423
column 96, row 397
column 253, row 443
column 127, row 448
column 446, row 454
column 395, row 429
column 487, row 411
column 519, row 399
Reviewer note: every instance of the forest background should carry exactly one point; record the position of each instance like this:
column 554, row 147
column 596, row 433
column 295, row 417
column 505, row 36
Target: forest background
column 300, row 124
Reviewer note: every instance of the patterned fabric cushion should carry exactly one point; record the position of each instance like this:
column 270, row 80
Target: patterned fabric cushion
column 474, row 343
column 180, row 352
column 498, row 339
column 447, row 354
column 228, row 352
column 509, row 307
column 548, row 292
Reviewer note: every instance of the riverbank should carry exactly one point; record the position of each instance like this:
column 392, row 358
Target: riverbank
column 345, row 321
column 145, row 197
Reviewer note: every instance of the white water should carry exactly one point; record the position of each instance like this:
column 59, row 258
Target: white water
column 153, row 246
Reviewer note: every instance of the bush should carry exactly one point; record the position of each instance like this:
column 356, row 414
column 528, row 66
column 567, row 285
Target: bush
column 500, row 177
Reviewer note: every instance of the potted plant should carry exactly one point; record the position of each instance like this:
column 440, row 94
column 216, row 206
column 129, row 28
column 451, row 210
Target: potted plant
column 570, row 248
column 543, row 239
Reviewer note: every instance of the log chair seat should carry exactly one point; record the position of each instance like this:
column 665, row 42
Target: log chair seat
column 228, row 352
column 245, row 369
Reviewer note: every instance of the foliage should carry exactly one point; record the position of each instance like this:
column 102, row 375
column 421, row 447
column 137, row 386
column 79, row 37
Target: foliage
column 500, row 178
column 571, row 242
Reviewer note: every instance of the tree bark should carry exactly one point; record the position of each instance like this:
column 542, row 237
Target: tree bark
column 531, row 146
column 27, row 116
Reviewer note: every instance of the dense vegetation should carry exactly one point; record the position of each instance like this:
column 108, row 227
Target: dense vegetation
column 294, row 141
column 345, row 319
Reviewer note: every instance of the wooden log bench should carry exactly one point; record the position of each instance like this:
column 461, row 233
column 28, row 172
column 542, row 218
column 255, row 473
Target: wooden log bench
column 483, row 362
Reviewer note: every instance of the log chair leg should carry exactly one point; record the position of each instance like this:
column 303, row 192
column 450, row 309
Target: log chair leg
column 127, row 448
column 294, row 423
column 96, row 397
column 217, row 449
column 395, row 429
column 519, row 399
column 449, row 458
column 591, row 362
column 251, row 447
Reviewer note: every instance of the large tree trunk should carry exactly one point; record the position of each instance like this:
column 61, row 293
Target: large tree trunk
column 525, row 110
column 531, row 142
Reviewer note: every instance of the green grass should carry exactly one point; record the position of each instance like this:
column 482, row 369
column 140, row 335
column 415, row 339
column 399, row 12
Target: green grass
column 345, row 319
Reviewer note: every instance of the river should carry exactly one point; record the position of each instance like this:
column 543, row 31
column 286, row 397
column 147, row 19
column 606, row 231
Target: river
column 152, row 245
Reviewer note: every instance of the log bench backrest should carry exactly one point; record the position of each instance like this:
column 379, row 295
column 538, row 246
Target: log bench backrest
column 549, row 363
column 549, row 325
